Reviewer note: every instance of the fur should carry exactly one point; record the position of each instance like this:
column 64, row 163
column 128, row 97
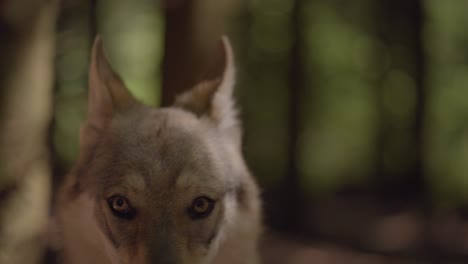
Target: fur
column 160, row 160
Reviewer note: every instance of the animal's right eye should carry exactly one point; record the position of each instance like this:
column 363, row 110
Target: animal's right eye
column 201, row 207
column 120, row 207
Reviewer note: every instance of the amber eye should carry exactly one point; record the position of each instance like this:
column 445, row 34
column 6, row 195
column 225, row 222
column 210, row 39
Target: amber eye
column 121, row 207
column 201, row 207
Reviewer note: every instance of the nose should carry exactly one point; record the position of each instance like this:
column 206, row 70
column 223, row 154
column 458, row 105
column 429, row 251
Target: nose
column 162, row 246
column 163, row 252
column 163, row 258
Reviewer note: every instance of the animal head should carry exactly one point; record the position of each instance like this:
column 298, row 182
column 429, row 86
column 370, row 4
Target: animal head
column 165, row 185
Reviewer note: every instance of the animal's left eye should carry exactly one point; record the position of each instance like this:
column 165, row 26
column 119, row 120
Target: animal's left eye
column 201, row 207
column 120, row 207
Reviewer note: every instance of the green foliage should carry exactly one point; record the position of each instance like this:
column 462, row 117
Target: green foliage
column 340, row 119
column 71, row 81
column 359, row 99
column 447, row 137
column 264, row 85
column 132, row 34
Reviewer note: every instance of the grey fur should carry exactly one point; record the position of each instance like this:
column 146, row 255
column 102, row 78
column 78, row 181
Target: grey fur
column 160, row 159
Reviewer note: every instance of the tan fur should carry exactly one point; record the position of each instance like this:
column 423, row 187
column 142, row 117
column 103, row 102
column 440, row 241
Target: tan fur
column 160, row 160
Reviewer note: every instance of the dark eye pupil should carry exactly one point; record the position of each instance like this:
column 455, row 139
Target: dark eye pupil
column 201, row 207
column 120, row 202
column 120, row 207
column 200, row 204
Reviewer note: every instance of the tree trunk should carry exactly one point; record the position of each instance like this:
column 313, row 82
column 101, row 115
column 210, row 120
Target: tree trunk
column 193, row 31
column 26, row 77
column 400, row 26
column 291, row 182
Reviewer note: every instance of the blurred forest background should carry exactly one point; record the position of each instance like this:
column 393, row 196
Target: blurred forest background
column 355, row 113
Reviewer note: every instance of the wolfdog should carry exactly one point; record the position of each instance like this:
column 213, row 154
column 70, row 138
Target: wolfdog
column 167, row 185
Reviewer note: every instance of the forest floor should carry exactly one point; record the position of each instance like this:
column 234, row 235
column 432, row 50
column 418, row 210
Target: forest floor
column 360, row 230
column 280, row 249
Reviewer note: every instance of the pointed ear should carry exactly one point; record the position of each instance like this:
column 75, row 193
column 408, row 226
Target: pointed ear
column 214, row 98
column 107, row 94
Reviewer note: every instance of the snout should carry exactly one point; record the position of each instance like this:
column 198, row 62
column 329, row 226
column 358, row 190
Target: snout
column 164, row 252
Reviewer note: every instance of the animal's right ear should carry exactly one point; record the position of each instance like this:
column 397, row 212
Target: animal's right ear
column 214, row 98
column 107, row 94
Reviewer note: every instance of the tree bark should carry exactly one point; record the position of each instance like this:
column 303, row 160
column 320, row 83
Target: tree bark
column 400, row 24
column 193, row 31
column 291, row 182
column 26, row 76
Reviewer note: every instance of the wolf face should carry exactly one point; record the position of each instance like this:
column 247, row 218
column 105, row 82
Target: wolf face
column 164, row 185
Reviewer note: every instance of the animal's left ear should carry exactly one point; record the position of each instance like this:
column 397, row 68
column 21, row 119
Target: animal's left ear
column 213, row 99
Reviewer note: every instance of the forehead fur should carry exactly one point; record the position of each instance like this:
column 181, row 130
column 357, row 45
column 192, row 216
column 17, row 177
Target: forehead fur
column 164, row 147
